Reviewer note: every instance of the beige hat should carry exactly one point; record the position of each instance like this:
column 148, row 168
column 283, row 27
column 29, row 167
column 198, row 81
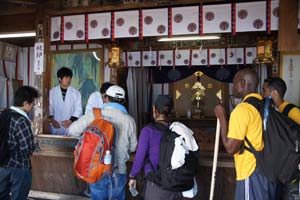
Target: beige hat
column 116, row 92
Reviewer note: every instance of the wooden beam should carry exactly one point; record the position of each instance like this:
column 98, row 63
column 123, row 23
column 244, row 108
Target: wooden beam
column 27, row 2
column 91, row 9
column 17, row 23
column 288, row 20
column 17, row 11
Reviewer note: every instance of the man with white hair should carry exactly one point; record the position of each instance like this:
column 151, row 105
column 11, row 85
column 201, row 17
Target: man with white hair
column 112, row 187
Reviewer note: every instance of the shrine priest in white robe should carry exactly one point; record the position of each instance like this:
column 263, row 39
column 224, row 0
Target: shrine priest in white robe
column 64, row 103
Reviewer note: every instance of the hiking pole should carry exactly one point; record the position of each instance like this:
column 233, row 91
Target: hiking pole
column 216, row 151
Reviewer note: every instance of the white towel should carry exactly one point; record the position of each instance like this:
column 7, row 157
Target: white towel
column 183, row 144
column 178, row 155
column 187, row 134
column 192, row 192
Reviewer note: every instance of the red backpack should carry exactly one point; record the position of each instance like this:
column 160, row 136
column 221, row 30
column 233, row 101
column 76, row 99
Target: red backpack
column 91, row 148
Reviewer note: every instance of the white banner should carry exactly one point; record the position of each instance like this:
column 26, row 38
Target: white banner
column 290, row 74
column 217, row 18
column 149, row 59
column 99, row 25
column 199, row 57
column 251, row 16
column 74, row 27
column 182, row 57
column 38, row 58
column 235, row 56
column 134, row 59
column 155, row 22
column 126, row 24
column 275, row 15
column 217, row 57
column 165, row 58
column 185, row 20
column 250, row 54
column 55, row 28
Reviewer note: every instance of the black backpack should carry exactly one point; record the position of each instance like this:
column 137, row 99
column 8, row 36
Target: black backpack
column 180, row 179
column 279, row 159
column 5, row 117
column 288, row 108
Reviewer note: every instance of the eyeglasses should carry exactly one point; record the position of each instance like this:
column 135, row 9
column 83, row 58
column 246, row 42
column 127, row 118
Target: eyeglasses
column 34, row 103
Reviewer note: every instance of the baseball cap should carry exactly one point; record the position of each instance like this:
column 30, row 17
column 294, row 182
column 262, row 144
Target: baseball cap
column 164, row 102
column 116, row 92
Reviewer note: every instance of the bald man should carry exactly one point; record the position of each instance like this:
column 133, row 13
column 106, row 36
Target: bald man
column 245, row 121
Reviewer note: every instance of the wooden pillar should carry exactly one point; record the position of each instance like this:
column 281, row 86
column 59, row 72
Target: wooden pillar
column 47, row 72
column 288, row 20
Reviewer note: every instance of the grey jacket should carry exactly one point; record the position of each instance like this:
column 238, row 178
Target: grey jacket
column 126, row 131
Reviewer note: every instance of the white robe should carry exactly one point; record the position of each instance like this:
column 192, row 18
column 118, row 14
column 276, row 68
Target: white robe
column 94, row 101
column 63, row 110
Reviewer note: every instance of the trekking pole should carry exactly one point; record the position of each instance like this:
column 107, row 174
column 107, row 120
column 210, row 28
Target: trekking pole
column 216, row 151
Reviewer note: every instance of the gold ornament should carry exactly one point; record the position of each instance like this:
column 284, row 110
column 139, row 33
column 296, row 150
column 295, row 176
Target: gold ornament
column 114, row 57
column 219, row 94
column 178, row 94
column 198, row 73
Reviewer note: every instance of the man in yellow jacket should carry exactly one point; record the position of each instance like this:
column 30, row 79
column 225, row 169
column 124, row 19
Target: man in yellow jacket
column 245, row 121
column 276, row 88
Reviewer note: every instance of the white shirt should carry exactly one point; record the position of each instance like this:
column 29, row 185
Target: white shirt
column 94, row 101
column 63, row 109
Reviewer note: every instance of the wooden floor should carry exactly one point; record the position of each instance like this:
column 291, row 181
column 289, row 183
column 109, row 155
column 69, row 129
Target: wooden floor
column 38, row 195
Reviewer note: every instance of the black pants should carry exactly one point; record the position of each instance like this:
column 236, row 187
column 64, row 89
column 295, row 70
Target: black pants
column 155, row 192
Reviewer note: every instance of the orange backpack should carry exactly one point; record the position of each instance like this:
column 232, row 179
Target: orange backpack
column 91, row 148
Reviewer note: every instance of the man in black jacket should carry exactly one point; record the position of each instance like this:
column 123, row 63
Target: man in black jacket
column 15, row 171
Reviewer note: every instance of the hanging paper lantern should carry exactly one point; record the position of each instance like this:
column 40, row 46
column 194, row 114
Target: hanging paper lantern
column 264, row 51
column 114, row 57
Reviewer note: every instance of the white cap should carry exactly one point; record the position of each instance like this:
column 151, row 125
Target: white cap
column 116, row 92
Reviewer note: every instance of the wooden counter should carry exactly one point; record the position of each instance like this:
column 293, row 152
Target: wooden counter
column 52, row 166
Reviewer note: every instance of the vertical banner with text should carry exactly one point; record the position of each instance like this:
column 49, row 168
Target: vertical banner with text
column 38, row 58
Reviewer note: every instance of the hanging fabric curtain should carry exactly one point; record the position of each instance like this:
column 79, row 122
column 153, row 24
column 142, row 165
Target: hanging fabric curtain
column 139, row 95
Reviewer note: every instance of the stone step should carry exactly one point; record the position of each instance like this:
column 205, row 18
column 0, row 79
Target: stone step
column 39, row 195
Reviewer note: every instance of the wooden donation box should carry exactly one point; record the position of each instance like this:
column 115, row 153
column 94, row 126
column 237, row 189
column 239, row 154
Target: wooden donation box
column 52, row 166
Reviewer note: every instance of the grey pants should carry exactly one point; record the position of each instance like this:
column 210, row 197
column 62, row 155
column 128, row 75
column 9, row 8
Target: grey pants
column 256, row 187
column 155, row 192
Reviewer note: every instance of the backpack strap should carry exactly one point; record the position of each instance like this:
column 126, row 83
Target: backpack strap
column 254, row 102
column 97, row 113
column 288, row 108
column 263, row 107
column 158, row 126
column 250, row 148
column 264, row 113
column 148, row 161
column 162, row 128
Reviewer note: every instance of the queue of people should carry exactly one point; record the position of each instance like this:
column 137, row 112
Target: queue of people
column 65, row 116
